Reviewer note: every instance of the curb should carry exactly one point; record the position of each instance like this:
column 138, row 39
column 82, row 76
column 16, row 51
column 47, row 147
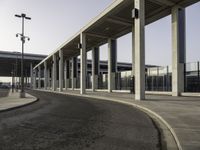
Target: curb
column 142, row 108
column 19, row 106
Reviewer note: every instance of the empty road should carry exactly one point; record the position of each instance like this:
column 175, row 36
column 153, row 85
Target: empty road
column 59, row 122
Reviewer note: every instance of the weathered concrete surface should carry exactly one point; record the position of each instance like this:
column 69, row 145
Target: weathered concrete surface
column 4, row 92
column 181, row 113
column 13, row 101
column 67, row 122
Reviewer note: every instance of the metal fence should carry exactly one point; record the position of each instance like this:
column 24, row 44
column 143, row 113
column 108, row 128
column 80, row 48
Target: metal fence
column 156, row 79
column 192, row 79
column 123, row 80
column 103, row 81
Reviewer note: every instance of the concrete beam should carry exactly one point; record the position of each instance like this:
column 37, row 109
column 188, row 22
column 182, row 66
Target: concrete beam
column 178, row 50
column 119, row 21
column 165, row 2
column 97, row 35
column 139, row 50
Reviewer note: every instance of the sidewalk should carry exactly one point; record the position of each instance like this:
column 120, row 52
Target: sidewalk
column 180, row 114
column 13, row 101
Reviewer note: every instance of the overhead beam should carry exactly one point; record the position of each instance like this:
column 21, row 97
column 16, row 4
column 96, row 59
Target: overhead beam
column 157, row 11
column 97, row 35
column 165, row 2
column 120, row 21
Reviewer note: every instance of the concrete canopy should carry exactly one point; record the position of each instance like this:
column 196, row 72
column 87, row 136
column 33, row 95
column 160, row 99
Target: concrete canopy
column 9, row 60
column 116, row 21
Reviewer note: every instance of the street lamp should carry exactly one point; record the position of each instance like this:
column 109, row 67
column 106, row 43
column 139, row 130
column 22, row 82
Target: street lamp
column 22, row 37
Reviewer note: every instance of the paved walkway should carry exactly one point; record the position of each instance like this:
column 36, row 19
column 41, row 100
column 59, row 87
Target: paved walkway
column 182, row 114
column 13, row 101
column 4, row 92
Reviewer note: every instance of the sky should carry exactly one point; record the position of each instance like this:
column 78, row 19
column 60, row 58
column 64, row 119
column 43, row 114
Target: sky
column 55, row 21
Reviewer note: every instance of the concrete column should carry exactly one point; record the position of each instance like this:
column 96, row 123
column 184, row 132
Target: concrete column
column 133, row 51
column 45, row 75
column 48, row 78
column 67, row 71
column 31, row 74
column 39, row 77
column 83, row 63
column 112, row 63
column 95, row 67
column 26, row 81
column 178, row 50
column 139, row 50
column 74, row 72
column 12, row 82
column 34, row 79
column 54, row 74
column 61, row 70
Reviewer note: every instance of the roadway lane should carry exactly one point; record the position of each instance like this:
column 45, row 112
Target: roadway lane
column 59, row 122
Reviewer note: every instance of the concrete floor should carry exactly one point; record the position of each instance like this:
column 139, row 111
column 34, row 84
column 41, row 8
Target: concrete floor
column 4, row 92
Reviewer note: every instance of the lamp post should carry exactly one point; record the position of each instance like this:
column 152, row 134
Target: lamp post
column 22, row 37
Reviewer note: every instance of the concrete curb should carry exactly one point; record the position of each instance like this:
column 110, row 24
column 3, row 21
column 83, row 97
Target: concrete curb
column 142, row 108
column 20, row 106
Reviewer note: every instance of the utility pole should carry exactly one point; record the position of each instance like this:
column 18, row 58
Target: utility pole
column 23, row 16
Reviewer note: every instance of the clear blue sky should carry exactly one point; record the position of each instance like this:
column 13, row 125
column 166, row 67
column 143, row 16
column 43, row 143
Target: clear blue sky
column 54, row 21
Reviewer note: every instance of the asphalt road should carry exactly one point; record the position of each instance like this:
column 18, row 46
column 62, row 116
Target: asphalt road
column 58, row 122
column 4, row 92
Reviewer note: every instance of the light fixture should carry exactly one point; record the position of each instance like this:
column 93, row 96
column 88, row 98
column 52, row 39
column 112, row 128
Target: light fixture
column 135, row 13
